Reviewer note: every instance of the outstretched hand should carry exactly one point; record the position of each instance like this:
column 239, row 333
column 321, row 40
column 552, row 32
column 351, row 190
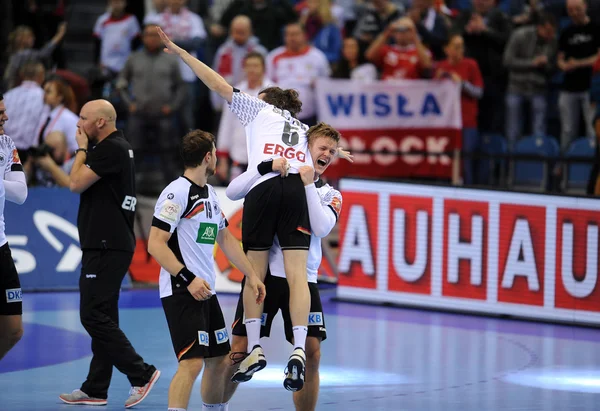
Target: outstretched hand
column 341, row 153
column 170, row 47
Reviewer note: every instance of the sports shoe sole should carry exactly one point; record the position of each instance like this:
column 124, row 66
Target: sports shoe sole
column 97, row 402
column 247, row 376
column 292, row 384
column 151, row 383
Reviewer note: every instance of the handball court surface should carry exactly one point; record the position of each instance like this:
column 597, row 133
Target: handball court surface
column 375, row 358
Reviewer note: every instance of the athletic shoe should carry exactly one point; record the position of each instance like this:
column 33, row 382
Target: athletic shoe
column 254, row 362
column 137, row 394
column 79, row 397
column 294, row 372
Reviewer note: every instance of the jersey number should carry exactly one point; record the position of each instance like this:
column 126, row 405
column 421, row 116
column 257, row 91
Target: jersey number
column 290, row 137
column 208, row 210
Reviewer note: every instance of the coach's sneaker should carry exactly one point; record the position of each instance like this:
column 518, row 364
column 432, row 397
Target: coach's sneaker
column 254, row 362
column 79, row 397
column 294, row 373
column 137, row 394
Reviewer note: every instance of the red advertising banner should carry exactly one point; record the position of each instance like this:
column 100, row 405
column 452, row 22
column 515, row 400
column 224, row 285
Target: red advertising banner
column 528, row 255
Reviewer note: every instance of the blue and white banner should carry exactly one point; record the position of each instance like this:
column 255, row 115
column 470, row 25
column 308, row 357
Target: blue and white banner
column 44, row 241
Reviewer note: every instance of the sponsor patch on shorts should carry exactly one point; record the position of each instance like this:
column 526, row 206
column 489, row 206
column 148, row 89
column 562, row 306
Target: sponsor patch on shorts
column 222, row 336
column 203, row 338
column 14, row 295
column 315, row 318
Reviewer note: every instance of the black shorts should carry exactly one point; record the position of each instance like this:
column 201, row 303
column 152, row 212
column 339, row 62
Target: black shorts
column 276, row 206
column 197, row 327
column 11, row 296
column 278, row 298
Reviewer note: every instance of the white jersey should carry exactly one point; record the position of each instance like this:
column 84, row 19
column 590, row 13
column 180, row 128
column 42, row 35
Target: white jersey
column 330, row 198
column 9, row 161
column 193, row 215
column 271, row 133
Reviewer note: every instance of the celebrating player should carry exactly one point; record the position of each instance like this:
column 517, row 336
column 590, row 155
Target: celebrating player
column 187, row 222
column 273, row 206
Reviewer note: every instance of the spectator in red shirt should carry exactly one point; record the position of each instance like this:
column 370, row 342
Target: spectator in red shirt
column 464, row 71
column 407, row 58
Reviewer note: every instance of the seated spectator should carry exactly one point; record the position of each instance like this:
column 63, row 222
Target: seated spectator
column 339, row 13
column 79, row 85
column 116, row 34
column 157, row 94
column 465, row 72
column 431, row 26
column 26, row 108
column 375, row 19
column 21, row 50
column 298, row 65
column 230, row 57
column 59, row 114
column 52, row 163
column 353, row 64
column 321, row 30
column 407, row 58
column 530, row 58
column 578, row 47
column 231, row 139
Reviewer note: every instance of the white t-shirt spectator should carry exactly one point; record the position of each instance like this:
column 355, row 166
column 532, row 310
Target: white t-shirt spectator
column 60, row 119
column 115, row 36
column 185, row 25
column 25, row 109
column 299, row 71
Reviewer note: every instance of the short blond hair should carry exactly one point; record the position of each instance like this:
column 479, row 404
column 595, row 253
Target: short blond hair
column 323, row 130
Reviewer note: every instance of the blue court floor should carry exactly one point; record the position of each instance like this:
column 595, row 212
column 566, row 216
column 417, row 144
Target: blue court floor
column 376, row 358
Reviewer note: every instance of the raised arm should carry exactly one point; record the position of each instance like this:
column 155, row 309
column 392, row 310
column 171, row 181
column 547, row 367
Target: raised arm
column 207, row 75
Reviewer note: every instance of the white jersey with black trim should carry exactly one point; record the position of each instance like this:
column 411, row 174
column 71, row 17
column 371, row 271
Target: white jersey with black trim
column 271, row 133
column 9, row 161
column 194, row 217
column 330, row 198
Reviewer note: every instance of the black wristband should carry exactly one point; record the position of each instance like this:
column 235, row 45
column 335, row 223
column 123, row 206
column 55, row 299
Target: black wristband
column 81, row 149
column 265, row 167
column 186, row 275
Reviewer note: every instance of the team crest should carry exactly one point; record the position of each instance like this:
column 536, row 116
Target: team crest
column 2, row 159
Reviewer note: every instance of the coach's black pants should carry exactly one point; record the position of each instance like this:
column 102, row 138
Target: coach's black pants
column 102, row 272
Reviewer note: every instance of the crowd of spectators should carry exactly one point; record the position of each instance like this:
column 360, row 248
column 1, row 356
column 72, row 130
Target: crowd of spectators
column 525, row 68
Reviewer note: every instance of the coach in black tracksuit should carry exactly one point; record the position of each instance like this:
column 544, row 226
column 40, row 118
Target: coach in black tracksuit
column 104, row 174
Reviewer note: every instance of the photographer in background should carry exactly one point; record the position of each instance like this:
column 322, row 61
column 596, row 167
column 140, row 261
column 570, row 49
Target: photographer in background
column 51, row 166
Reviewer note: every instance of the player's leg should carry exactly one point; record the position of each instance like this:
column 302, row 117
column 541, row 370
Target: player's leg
column 11, row 305
column 182, row 383
column 293, row 232
column 259, row 223
column 11, row 331
column 246, row 366
column 238, row 349
column 306, row 399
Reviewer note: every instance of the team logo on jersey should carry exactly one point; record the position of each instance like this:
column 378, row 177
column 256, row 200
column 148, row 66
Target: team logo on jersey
column 14, row 295
column 207, row 234
column 203, row 338
column 216, row 207
column 16, row 158
column 170, row 211
column 315, row 318
column 2, row 160
column 170, row 196
column 222, row 336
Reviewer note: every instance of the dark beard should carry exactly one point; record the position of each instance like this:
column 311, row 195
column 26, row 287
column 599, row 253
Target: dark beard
column 210, row 171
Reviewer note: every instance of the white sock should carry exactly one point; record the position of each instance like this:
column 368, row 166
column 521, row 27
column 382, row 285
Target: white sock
column 300, row 332
column 253, row 332
column 176, row 409
column 225, row 406
column 211, row 407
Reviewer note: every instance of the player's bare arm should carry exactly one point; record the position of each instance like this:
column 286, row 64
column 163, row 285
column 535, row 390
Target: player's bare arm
column 81, row 177
column 231, row 247
column 159, row 249
column 208, row 76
